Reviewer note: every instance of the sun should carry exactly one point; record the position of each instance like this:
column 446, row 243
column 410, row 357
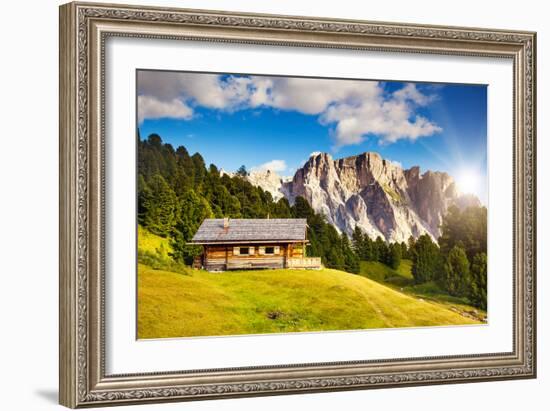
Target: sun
column 468, row 181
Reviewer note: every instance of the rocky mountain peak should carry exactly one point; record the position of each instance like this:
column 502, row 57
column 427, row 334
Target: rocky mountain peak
column 268, row 180
column 371, row 193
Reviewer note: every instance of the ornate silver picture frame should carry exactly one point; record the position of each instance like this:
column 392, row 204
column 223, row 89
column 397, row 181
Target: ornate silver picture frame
column 84, row 30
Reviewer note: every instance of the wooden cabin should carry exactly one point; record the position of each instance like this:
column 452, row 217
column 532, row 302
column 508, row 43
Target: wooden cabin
column 236, row 244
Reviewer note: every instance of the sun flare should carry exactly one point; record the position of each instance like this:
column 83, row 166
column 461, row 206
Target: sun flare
column 468, row 181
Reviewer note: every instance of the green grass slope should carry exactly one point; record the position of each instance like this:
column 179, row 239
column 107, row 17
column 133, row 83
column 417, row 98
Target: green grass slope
column 155, row 252
column 382, row 273
column 153, row 244
column 401, row 280
column 199, row 303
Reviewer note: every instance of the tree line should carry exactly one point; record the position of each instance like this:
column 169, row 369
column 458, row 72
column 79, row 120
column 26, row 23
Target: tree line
column 177, row 191
column 379, row 250
column 457, row 262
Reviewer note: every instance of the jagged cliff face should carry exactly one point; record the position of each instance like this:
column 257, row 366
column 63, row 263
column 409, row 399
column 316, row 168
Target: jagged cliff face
column 269, row 181
column 374, row 194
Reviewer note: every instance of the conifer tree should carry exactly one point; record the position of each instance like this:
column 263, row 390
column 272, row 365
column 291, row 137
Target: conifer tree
column 160, row 207
column 466, row 228
column 143, row 200
column 426, row 260
column 242, row 172
column 302, row 209
column 456, row 272
column 410, row 246
column 381, row 250
column 193, row 211
column 368, row 249
column 394, row 255
column 351, row 261
column 404, row 250
column 478, row 284
column 358, row 243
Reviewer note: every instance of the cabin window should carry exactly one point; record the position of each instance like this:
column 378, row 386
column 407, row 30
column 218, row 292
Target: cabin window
column 270, row 250
column 243, row 251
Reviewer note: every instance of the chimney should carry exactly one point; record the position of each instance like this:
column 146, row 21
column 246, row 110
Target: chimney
column 226, row 222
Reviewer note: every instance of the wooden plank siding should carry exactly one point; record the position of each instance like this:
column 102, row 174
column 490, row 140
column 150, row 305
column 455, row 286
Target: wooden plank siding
column 307, row 262
column 223, row 257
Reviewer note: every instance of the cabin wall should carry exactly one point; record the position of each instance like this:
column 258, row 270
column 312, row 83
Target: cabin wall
column 223, row 257
column 297, row 250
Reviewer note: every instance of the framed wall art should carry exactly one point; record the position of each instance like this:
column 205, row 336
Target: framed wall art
column 259, row 204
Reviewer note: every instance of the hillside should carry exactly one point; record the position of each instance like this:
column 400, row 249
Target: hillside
column 402, row 280
column 198, row 303
column 153, row 244
column 382, row 273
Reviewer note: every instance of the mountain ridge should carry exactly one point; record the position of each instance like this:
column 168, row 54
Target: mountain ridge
column 369, row 192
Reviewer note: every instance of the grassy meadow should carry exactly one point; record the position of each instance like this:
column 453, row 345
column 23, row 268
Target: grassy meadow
column 402, row 280
column 200, row 303
column 153, row 244
column 177, row 301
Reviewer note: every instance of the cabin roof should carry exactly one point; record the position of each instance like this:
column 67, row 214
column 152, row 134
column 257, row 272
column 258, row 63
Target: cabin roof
column 253, row 230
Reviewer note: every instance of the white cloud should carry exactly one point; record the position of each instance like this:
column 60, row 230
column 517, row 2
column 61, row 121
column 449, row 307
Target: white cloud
column 207, row 90
column 390, row 117
column 352, row 109
column 396, row 163
column 273, row 165
column 307, row 95
column 160, row 84
column 410, row 92
column 150, row 107
column 213, row 92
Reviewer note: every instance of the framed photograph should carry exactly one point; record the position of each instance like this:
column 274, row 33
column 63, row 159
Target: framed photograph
column 260, row 205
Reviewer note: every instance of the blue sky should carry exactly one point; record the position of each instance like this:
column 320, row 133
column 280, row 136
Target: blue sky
column 277, row 122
